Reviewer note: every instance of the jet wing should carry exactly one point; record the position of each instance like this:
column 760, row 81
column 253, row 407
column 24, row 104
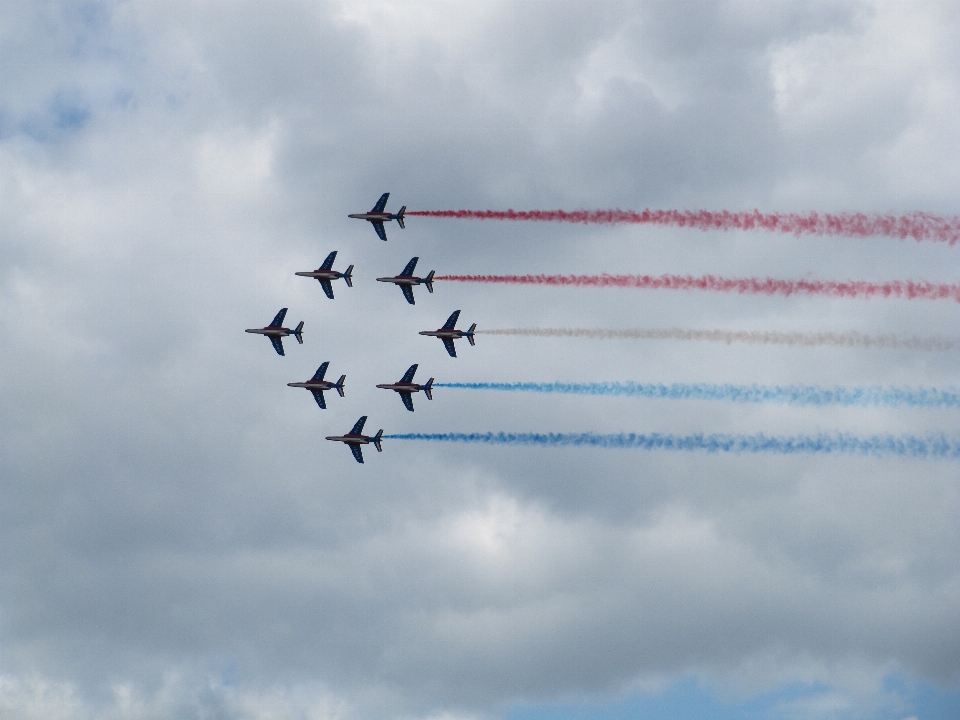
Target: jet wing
column 381, row 203
column 378, row 226
column 278, row 320
column 408, row 270
column 357, row 453
column 318, row 396
column 358, row 428
column 328, row 263
column 451, row 322
column 407, row 291
column 407, row 400
column 327, row 288
column 408, row 375
column 277, row 343
column 321, row 371
column 448, row 344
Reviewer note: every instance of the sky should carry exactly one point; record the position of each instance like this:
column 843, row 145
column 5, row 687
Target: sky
column 178, row 540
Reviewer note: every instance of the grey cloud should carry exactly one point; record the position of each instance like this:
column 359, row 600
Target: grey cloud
column 170, row 503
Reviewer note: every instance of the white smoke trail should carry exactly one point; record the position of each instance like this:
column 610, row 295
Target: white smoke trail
column 756, row 337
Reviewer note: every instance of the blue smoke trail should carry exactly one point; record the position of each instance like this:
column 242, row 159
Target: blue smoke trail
column 788, row 394
column 932, row 446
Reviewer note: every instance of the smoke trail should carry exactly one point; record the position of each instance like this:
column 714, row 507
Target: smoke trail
column 909, row 289
column 789, row 394
column 757, row 337
column 917, row 225
column 935, row 446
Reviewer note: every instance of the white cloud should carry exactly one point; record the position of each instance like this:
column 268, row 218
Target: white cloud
column 32, row 698
column 171, row 503
column 891, row 79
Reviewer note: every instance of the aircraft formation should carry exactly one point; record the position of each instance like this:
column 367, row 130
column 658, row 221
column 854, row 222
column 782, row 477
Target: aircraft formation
column 448, row 334
column 405, row 387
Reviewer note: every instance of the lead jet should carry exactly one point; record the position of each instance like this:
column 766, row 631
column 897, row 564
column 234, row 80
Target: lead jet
column 448, row 333
column 406, row 386
column 406, row 280
column 324, row 274
column 317, row 385
column 276, row 332
column 377, row 217
column 355, row 438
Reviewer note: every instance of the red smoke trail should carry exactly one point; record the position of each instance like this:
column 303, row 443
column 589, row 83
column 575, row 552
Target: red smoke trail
column 909, row 289
column 916, row 225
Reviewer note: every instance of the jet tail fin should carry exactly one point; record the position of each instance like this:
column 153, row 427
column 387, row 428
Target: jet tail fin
column 348, row 276
column 428, row 389
column 400, row 216
column 298, row 332
column 339, row 385
column 428, row 280
column 377, row 438
column 470, row 334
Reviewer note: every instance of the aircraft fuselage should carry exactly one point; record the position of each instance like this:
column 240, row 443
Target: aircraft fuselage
column 402, row 387
column 374, row 217
column 452, row 334
column 275, row 331
column 321, row 274
column 402, row 280
column 352, row 439
column 314, row 385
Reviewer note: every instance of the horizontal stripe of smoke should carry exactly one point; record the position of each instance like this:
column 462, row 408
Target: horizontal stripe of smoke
column 933, row 446
column 789, row 394
column 757, row 337
column 917, row 225
column 907, row 289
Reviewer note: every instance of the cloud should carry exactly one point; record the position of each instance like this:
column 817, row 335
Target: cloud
column 177, row 696
column 178, row 538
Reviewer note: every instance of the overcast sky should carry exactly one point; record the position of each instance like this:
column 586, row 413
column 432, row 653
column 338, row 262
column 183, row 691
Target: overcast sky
column 178, row 540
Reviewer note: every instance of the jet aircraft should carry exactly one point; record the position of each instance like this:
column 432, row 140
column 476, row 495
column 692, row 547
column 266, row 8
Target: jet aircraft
column 377, row 217
column 276, row 332
column 406, row 280
column 406, row 386
column 355, row 438
column 324, row 274
column 448, row 333
column 317, row 385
